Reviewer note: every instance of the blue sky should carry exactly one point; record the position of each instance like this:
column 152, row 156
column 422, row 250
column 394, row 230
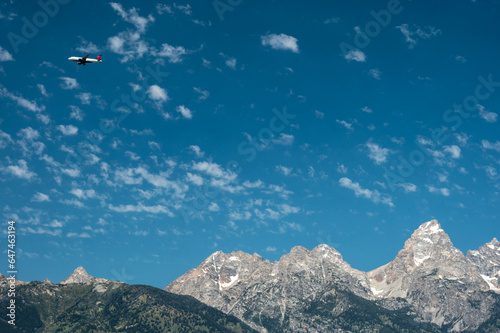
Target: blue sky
column 243, row 125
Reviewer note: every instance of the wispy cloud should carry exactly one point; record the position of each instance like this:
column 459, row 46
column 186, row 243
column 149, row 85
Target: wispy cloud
column 40, row 197
column 345, row 124
column 132, row 16
column 22, row 102
column 359, row 191
column 415, row 33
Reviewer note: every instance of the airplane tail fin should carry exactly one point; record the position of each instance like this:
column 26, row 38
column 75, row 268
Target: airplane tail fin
column 99, row 58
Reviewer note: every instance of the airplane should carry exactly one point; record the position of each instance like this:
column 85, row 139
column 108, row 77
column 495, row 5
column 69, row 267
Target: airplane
column 84, row 60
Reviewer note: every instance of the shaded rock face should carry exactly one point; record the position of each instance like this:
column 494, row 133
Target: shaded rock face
column 486, row 260
column 429, row 278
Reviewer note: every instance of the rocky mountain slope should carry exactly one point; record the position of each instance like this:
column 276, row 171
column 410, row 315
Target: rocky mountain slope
column 82, row 303
column 429, row 287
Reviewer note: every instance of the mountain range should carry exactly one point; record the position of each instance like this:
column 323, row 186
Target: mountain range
column 430, row 286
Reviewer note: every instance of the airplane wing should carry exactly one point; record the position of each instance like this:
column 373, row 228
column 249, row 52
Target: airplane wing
column 85, row 58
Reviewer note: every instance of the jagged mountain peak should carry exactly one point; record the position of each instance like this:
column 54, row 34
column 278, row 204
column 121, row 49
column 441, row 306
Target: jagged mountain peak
column 80, row 276
column 325, row 250
column 429, row 241
column 494, row 245
column 430, row 227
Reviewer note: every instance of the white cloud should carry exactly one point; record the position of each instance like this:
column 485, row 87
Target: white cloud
column 203, row 93
column 68, row 129
column 139, row 208
column 377, row 153
column 83, row 194
column 68, row 83
column 20, row 170
column 286, row 171
column 79, row 235
column 341, row 168
column 76, row 113
column 129, row 45
column 270, row 249
column 195, row 179
column 162, row 8
column 284, row 139
column 256, row 184
column 5, row 55
column 286, row 209
column 184, row 111
column 489, row 116
column 71, row 172
column 87, row 47
column 213, row 207
column 462, row 138
column 5, row 139
column 186, row 9
column 132, row 16
column 372, row 195
column 42, row 89
column 366, row 109
column 196, row 150
column 443, row 191
column 220, row 178
column 453, row 150
column 280, row 42
column 22, row 102
column 412, row 36
column 206, row 63
column 134, row 176
column 231, row 63
column 375, row 73
column 356, row 55
column 157, row 93
column 345, row 124
column 319, row 114
column 214, row 170
column 43, row 118
column 491, row 145
column 408, row 187
column 40, row 197
column 331, row 20
column 173, row 53
column 491, row 172
column 41, row 231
